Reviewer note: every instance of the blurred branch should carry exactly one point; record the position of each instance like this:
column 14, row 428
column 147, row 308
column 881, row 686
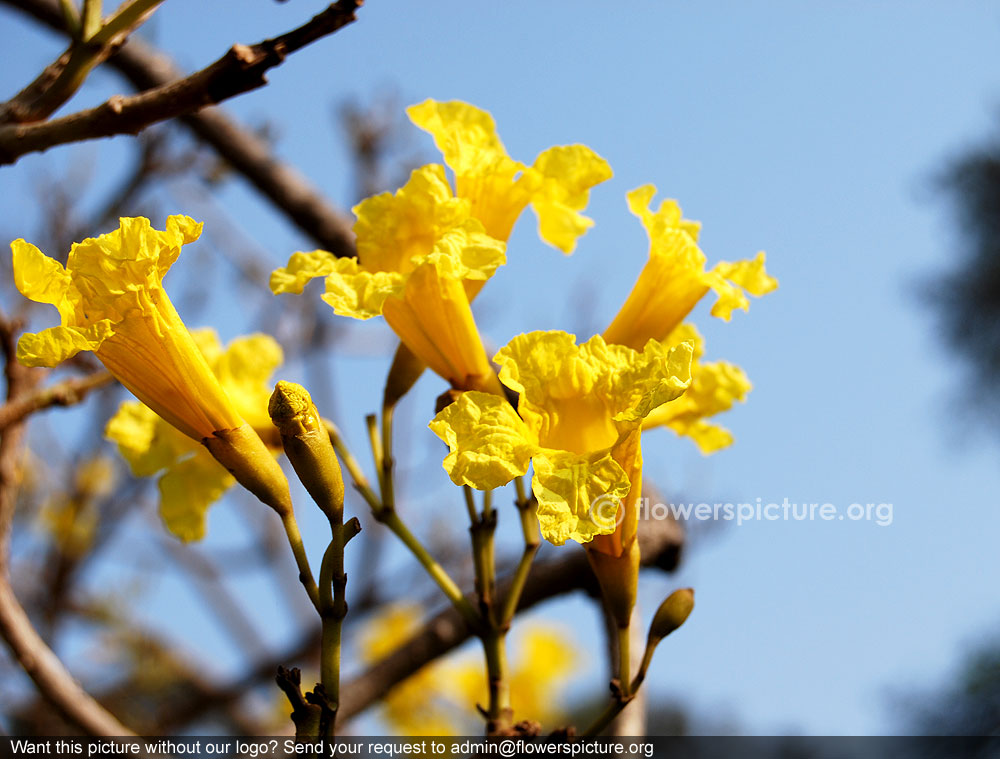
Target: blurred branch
column 52, row 679
column 240, row 70
column 66, row 393
column 660, row 543
column 146, row 68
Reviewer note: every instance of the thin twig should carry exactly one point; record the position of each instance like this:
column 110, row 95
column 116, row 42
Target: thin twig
column 146, row 68
column 240, row 70
column 66, row 393
column 49, row 674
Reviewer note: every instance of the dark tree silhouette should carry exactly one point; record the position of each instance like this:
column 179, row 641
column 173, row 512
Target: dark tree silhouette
column 968, row 297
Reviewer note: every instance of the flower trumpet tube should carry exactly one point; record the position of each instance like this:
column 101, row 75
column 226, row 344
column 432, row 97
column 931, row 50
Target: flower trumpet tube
column 674, row 279
column 111, row 301
column 578, row 421
column 421, row 258
column 191, row 480
column 670, row 285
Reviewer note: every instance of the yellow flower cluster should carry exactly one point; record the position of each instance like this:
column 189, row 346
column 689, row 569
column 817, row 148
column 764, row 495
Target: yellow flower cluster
column 423, row 254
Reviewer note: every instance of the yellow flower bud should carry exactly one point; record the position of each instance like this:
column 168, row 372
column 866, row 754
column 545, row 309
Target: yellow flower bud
column 307, row 445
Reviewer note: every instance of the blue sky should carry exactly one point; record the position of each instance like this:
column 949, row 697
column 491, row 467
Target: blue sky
column 812, row 131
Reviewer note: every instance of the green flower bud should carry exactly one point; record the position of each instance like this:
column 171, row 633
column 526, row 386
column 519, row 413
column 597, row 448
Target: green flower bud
column 673, row 612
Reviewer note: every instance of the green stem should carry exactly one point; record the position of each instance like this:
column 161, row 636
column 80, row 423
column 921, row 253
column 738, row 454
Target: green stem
column 128, row 16
column 332, row 623
column 647, row 659
column 611, row 711
column 499, row 713
column 470, row 504
column 351, row 465
column 624, row 661
column 483, row 559
column 532, row 541
column 92, row 14
column 438, row 573
column 388, row 487
column 71, row 18
column 375, row 443
column 298, row 549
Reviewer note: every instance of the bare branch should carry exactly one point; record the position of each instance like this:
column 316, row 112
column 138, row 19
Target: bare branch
column 49, row 674
column 240, row 70
column 65, row 393
column 63, row 77
column 146, row 68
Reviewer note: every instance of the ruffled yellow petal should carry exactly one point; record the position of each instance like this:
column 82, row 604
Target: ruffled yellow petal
column 301, row 268
column 145, row 441
column 655, row 377
column 112, row 273
column 56, row 344
column 395, row 232
column 111, row 301
column 187, row 489
column 498, row 187
column 572, row 395
column 357, row 293
column 466, row 252
column 709, row 437
column 568, row 173
column 489, row 443
column 674, row 279
column 38, row 277
column 577, row 495
column 465, row 135
column 715, row 387
column 735, row 278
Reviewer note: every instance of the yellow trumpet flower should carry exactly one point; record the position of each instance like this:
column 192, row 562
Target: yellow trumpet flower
column 421, row 258
column 671, row 284
column 578, row 420
column 111, row 301
column 191, row 480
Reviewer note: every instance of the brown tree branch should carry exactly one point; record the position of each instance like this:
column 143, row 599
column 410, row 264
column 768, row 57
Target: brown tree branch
column 62, row 78
column 51, row 677
column 248, row 154
column 240, row 70
column 66, row 393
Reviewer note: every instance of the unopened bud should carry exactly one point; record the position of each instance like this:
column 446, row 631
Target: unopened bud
column 673, row 612
column 308, row 447
column 403, row 375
